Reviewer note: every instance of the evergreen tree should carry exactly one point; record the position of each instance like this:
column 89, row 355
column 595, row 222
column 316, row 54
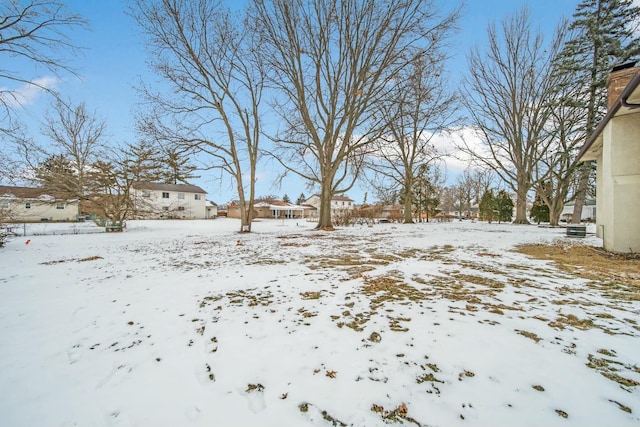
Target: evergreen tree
column 539, row 211
column 143, row 162
column 301, row 199
column 177, row 169
column 487, row 206
column 286, row 199
column 504, row 206
column 57, row 173
column 605, row 35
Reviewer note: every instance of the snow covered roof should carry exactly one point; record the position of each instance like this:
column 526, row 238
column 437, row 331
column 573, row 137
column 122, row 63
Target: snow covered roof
column 44, row 194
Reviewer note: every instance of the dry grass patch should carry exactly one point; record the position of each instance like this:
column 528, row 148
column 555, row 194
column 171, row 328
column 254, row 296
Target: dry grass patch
column 590, row 263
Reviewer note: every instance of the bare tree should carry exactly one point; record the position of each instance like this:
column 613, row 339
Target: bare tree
column 471, row 185
column 420, row 110
column 332, row 64
column 210, row 60
column 78, row 138
column 108, row 194
column 511, row 93
column 33, row 32
column 426, row 190
column 555, row 173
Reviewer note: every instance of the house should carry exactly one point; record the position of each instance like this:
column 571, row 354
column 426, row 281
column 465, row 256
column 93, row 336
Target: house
column 379, row 212
column 153, row 200
column 615, row 147
column 211, row 210
column 588, row 211
column 340, row 205
column 37, row 204
column 270, row 208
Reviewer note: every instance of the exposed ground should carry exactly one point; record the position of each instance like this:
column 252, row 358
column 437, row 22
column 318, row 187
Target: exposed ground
column 191, row 323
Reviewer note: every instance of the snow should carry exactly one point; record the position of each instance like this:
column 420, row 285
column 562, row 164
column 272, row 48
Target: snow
column 180, row 323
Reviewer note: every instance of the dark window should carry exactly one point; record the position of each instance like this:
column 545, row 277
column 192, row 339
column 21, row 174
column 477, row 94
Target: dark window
column 165, row 195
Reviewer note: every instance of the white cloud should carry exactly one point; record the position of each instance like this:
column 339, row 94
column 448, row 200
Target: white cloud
column 456, row 160
column 28, row 92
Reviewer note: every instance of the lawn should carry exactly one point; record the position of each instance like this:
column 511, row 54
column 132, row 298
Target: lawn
column 180, row 323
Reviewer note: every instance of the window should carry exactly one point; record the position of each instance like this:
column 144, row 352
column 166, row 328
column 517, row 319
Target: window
column 165, row 195
column 165, row 208
column 198, row 196
column 180, row 208
column 4, row 205
column 181, row 196
column 60, row 206
column 27, row 205
column 146, row 194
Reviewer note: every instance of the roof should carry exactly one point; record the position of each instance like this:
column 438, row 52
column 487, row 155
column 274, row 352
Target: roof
column 628, row 100
column 33, row 193
column 337, row 198
column 181, row 188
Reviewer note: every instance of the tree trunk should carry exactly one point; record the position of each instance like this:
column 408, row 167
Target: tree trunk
column 408, row 211
column 246, row 214
column 324, row 218
column 554, row 215
column 521, row 205
column 581, row 193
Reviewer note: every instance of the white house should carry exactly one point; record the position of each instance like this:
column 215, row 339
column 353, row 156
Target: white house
column 615, row 147
column 153, row 200
column 269, row 208
column 211, row 209
column 588, row 211
column 340, row 205
column 36, row 204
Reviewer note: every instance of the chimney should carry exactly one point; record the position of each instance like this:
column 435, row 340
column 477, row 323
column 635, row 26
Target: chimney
column 618, row 79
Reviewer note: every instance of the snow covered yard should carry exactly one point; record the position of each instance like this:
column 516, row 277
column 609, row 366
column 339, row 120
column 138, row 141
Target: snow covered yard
column 180, row 323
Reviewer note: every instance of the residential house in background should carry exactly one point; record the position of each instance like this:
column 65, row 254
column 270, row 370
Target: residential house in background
column 615, row 147
column 211, row 210
column 37, row 204
column 340, row 205
column 588, row 211
column 153, row 200
column 271, row 208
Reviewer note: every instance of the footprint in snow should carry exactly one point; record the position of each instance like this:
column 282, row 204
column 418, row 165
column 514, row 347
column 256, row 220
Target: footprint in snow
column 193, row 414
column 255, row 399
column 74, row 354
column 117, row 418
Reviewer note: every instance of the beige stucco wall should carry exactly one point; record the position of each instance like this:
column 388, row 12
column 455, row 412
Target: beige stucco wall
column 618, row 185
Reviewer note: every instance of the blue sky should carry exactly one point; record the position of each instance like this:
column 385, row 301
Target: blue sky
column 114, row 62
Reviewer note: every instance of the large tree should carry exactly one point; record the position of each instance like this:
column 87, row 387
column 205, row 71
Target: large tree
column 332, row 64
column 33, row 40
column 510, row 95
column 210, row 60
column 554, row 174
column 78, row 136
column 605, row 34
column 33, row 36
column 418, row 111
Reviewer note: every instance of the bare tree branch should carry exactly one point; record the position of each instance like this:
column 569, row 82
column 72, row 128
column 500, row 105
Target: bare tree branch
column 332, row 63
column 211, row 63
